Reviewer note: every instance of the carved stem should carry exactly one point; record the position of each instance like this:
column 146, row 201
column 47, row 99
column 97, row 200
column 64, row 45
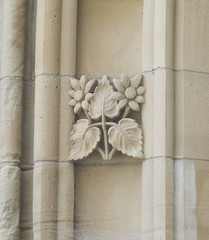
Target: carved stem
column 87, row 115
column 110, row 124
column 112, row 153
column 100, row 124
column 105, row 136
column 101, row 152
column 126, row 112
column 94, row 125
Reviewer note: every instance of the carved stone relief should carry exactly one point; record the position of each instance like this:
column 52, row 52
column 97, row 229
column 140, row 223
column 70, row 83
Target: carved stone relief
column 103, row 107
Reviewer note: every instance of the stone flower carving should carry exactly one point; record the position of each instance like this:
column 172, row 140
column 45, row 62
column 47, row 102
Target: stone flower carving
column 129, row 93
column 81, row 93
column 103, row 125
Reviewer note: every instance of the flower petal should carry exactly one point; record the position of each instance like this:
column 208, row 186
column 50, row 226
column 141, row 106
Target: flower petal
column 89, row 96
column 125, row 80
column 83, row 82
column 140, row 99
column 75, row 84
column 85, row 104
column 71, row 93
column 72, row 102
column 140, row 90
column 134, row 105
column 90, row 85
column 135, row 82
column 117, row 96
column 122, row 103
column 118, row 85
column 77, row 107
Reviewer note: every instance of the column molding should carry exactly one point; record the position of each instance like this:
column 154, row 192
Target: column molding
column 157, row 175
column 65, row 217
column 47, row 114
column 12, row 65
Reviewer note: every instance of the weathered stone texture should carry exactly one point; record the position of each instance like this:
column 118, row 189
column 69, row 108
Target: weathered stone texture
column 9, row 202
column 46, row 43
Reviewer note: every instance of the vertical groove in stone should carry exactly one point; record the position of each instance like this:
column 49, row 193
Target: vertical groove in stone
column 12, row 65
column 26, row 201
column 65, row 217
column 47, row 111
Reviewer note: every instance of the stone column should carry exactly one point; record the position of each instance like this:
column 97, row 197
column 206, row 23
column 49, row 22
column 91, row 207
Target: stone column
column 47, row 112
column 157, row 180
column 11, row 116
column 147, row 121
column 164, row 120
column 65, row 217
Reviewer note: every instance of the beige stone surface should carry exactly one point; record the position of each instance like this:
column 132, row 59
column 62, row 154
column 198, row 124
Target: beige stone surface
column 11, row 99
column 185, row 200
column 9, row 203
column 115, row 49
column 47, row 118
column 192, row 115
column 68, row 37
column 164, row 197
column 113, row 209
column 1, row 24
column 13, row 40
column 192, row 33
column 65, row 209
column 67, row 119
column 202, row 198
column 45, row 200
column 48, row 26
column 163, row 116
column 147, row 200
column 147, row 112
column 26, row 209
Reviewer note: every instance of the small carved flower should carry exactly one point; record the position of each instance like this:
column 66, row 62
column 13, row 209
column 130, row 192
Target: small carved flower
column 129, row 92
column 81, row 93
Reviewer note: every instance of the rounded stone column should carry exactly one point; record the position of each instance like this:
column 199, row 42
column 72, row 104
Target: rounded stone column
column 11, row 116
column 47, row 112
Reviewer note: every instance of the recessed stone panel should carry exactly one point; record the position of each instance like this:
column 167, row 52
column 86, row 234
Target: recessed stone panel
column 109, row 39
column 108, row 202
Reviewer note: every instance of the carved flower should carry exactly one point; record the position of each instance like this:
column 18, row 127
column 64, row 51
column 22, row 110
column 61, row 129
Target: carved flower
column 81, row 93
column 129, row 91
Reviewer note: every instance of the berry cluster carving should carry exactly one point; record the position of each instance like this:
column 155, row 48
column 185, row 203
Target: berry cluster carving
column 103, row 107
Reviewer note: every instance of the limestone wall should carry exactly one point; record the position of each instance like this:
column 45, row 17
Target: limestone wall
column 44, row 44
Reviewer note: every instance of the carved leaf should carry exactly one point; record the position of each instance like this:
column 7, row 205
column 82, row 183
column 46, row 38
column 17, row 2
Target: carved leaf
column 102, row 101
column 83, row 139
column 127, row 137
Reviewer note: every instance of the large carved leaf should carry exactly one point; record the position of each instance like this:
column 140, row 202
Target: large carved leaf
column 102, row 101
column 127, row 137
column 83, row 139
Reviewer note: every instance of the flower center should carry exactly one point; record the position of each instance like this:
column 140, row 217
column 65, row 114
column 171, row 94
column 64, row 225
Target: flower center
column 79, row 95
column 130, row 93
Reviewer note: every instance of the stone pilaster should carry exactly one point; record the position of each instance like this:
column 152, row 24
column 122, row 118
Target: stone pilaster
column 157, row 180
column 11, row 116
column 47, row 110
column 147, row 121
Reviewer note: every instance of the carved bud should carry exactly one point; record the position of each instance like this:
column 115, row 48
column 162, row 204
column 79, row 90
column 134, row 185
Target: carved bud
column 88, row 96
column 85, row 105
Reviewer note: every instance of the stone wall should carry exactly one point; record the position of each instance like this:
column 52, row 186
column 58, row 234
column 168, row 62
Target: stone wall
column 44, row 44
